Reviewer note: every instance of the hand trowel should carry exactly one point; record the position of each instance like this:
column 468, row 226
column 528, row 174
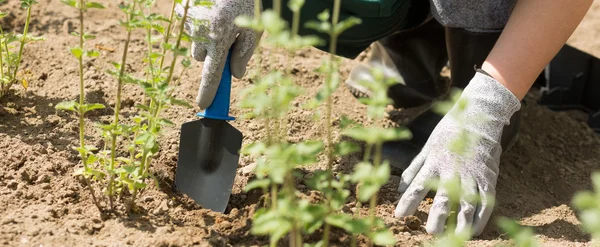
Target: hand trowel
column 209, row 152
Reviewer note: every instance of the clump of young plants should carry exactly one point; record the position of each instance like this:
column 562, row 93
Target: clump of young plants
column 12, row 46
column 131, row 172
column 122, row 166
column 372, row 173
column 269, row 100
column 81, row 108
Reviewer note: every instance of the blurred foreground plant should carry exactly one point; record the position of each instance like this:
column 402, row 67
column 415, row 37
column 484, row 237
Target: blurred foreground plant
column 588, row 203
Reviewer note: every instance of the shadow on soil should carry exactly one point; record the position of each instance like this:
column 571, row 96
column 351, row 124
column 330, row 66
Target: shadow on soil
column 34, row 120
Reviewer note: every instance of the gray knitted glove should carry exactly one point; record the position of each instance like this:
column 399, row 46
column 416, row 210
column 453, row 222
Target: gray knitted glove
column 221, row 34
column 489, row 107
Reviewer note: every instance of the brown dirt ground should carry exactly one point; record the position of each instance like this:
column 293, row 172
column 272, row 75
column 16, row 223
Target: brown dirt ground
column 41, row 203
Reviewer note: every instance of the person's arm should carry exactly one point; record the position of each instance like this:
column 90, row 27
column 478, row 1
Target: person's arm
column 534, row 34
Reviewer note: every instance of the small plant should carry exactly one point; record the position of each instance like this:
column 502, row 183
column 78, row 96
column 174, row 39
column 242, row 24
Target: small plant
column 521, row 236
column 123, row 164
column 277, row 159
column 81, row 108
column 588, row 203
column 131, row 172
column 10, row 60
column 370, row 176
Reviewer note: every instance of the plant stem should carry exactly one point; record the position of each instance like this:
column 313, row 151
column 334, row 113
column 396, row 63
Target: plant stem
column 81, row 82
column 377, row 163
column 328, row 106
column 168, row 33
column 118, row 107
column 132, row 201
column 274, row 196
column 1, row 57
column 177, row 45
column 23, row 41
column 81, row 105
column 277, row 7
column 290, row 192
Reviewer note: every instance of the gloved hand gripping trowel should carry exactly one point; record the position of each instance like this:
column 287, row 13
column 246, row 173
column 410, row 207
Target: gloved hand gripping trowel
column 209, row 152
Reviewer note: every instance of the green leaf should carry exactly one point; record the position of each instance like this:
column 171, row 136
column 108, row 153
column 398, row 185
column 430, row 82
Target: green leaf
column 26, row 4
column 186, row 62
column 382, row 237
column 94, row 5
column 164, row 121
column 88, row 36
column 257, row 184
column 3, row 14
column 254, row 148
column 77, row 52
column 585, row 200
column 91, row 159
column 346, row 24
column 314, row 218
column 270, row 223
column 345, row 148
column 523, row 236
column 91, row 107
column 349, row 224
column 373, row 135
column 180, row 103
column 295, row 5
column 66, row 106
column 92, row 53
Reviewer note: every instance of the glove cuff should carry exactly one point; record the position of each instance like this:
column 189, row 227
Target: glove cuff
column 488, row 98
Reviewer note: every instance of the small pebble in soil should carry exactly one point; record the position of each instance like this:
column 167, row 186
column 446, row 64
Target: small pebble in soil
column 97, row 226
column 148, row 199
column 247, row 170
column 12, row 184
column 8, row 220
column 42, row 179
column 412, row 222
column 162, row 208
column 35, row 232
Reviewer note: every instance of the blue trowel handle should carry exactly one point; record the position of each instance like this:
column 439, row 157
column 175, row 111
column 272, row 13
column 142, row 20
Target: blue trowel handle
column 219, row 108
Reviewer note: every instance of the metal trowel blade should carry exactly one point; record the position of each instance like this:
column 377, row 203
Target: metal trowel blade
column 207, row 163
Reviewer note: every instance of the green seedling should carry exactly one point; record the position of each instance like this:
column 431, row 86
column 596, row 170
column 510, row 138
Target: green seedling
column 115, row 130
column 289, row 214
column 333, row 28
column 521, row 236
column 130, row 172
column 588, row 205
column 372, row 175
column 270, row 99
column 81, row 108
column 10, row 60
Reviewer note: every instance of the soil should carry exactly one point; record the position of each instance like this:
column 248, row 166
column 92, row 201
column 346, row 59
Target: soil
column 42, row 203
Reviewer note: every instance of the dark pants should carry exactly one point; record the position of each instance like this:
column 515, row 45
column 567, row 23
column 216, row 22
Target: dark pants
column 380, row 18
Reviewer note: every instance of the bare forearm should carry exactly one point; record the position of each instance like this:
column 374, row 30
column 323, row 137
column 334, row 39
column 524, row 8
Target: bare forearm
column 535, row 32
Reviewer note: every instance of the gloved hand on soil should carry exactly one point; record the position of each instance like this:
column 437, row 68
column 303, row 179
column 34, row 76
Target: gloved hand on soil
column 221, row 34
column 482, row 111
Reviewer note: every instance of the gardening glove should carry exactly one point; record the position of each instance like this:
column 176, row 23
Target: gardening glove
column 477, row 121
column 213, row 39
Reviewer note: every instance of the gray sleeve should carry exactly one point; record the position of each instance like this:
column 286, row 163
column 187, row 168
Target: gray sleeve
column 473, row 15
